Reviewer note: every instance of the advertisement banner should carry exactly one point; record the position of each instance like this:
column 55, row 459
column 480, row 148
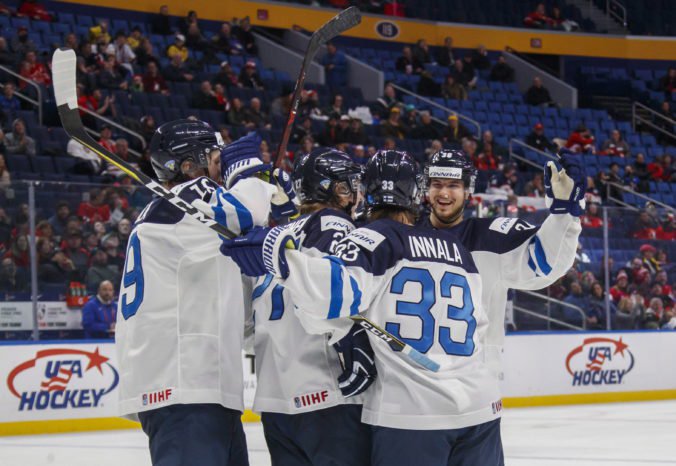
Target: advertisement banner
column 69, row 381
column 52, row 315
column 588, row 363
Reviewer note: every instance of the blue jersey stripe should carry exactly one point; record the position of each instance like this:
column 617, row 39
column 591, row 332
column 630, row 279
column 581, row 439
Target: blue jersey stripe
column 260, row 289
column 243, row 214
column 356, row 299
column 336, row 302
column 541, row 257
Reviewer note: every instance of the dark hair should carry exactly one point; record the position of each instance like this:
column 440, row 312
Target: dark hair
column 393, row 213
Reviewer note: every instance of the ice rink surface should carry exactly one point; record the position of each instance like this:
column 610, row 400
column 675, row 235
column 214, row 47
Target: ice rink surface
column 606, row 434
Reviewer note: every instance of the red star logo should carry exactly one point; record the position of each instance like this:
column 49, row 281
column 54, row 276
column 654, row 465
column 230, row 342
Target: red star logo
column 620, row 347
column 95, row 360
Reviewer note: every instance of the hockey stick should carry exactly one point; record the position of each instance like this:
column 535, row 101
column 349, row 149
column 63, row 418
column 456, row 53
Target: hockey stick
column 63, row 71
column 346, row 19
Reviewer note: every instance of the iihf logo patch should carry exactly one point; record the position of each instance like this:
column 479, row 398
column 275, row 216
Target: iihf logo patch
column 171, row 165
column 297, row 402
column 145, row 399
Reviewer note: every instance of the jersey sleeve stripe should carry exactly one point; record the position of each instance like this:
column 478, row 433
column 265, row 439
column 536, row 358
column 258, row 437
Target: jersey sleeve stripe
column 243, row 215
column 260, row 289
column 356, row 297
column 336, row 302
column 541, row 257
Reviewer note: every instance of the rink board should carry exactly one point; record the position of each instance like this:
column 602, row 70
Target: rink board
column 72, row 386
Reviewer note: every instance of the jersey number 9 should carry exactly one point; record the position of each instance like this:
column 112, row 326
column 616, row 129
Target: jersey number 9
column 449, row 283
column 133, row 277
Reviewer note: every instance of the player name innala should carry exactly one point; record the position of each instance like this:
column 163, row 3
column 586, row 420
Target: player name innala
column 422, row 246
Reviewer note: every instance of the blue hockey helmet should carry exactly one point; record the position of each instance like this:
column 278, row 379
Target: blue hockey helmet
column 453, row 164
column 177, row 141
column 316, row 174
column 391, row 179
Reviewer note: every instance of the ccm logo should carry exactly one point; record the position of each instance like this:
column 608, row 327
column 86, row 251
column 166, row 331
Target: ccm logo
column 157, row 397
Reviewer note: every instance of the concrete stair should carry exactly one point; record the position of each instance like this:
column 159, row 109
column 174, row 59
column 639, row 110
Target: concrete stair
column 604, row 23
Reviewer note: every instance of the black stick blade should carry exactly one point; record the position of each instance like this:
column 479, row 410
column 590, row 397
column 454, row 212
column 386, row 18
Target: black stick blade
column 346, row 19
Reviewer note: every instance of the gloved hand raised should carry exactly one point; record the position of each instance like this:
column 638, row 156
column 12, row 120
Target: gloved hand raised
column 565, row 185
column 261, row 251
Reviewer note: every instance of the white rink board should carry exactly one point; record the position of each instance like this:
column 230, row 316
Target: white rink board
column 83, row 378
column 573, row 363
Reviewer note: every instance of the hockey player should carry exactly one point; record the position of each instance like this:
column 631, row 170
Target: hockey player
column 508, row 252
column 181, row 309
column 308, row 416
column 422, row 286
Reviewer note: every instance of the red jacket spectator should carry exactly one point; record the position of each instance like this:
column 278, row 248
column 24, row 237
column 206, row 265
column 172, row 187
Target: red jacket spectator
column 34, row 10
column 538, row 19
column 94, row 210
column 153, row 80
column 591, row 221
column 581, row 140
column 35, row 71
column 619, row 290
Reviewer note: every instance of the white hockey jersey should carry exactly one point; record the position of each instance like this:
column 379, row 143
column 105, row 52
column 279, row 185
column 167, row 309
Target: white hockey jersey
column 512, row 253
column 180, row 318
column 423, row 287
column 296, row 371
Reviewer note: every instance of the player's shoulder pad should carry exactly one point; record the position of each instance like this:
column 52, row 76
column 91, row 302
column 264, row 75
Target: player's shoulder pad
column 323, row 229
column 161, row 211
column 498, row 235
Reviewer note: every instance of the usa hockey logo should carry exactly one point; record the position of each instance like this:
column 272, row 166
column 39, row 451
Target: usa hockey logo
column 600, row 361
column 68, row 378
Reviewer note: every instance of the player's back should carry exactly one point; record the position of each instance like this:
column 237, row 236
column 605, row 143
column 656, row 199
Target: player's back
column 180, row 314
column 423, row 287
column 296, row 371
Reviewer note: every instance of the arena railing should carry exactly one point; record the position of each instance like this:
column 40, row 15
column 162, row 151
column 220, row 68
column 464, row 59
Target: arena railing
column 37, row 103
column 637, row 119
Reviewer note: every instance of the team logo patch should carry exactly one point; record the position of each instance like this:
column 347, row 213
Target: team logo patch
column 171, row 165
column 600, row 361
column 158, row 396
column 311, row 399
column 387, row 29
column 68, row 378
column 445, row 172
column 502, row 224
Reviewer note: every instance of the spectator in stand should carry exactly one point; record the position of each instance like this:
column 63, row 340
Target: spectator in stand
column 645, row 226
column 469, row 70
column 538, row 139
column 224, row 41
column 195, row 40
column 451, row 89
column 561, row 23
column 661, row 169
column 5, row 178
column 336, row 106
column 426, row 129
column 178, row 48
column 249, row 77
column 153, row 81
column 407, row 63
column 335, row 67
column 392, row 127
column 538, row 95
column 641, row 172
column 667, row 230
column 205, row 98
column 237, row 113
column 98, row 315
column 111, row 76
column 161, row 23
column 111, row 244
column 94, row 210
column 136, row 84
column 124, row 55
column 538, row 19
column 630, row 179
column 445, row 56
column 122, row 151
column 575, row 298
column 667, row 83
column 389, row 99
column 95, row 102
column 34, row 10
column 455, row 131
column 665, row 110
column 621, row 287
column 21, row 44
column 72, row 247
column 648, row 252
column 486, row 159
column 427, row 86
column 176, row 71
column 226, row 76
column 581, row 140
column 356, row 135
column 12, row 278
column 616, row 145
column 18, row 251
column 18, row 142
column 592, row 217
column 147, row 128
column 480, row 59
column 88, row 163
column 9, row 103
column 100, row 31
column 100, row 271
column 652, row 317
column 135, row 38
column 359, row 155
column 421, row 52
column 255, row 116
column 221, row 98
column 145, row 53
column 7, row 57
column 106, row 139
column 32, row 69
column 331, row 134
column 59, row 220
column 501, row 71
column 303, row 128
column 596, row 312
column 389, row 144
column 463, row 74
column 184, row 23
column 245, row 36
column 343, row 128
